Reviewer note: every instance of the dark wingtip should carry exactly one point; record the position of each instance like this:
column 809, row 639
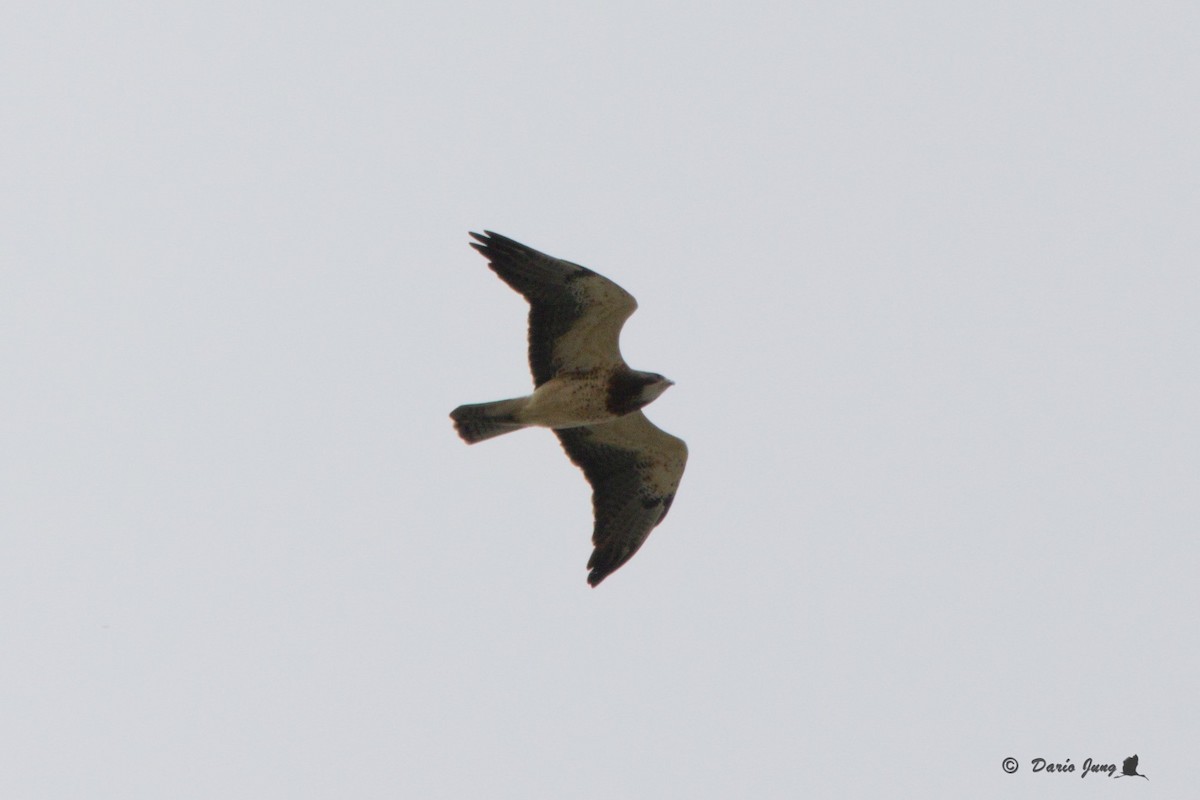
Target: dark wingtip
column 599, row 570
column 493, row 244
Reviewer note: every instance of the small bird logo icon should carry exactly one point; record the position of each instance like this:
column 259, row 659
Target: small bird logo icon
column 1129, row 768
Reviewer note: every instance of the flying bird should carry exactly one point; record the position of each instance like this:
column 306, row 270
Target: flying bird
column 1129, row 768
column 588, row 395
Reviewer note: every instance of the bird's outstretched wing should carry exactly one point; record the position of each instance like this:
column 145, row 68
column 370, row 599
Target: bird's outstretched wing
column 634, row 468
column 575, row 314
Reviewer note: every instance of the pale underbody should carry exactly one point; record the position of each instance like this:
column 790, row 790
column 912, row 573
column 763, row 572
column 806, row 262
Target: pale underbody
column 567, row 401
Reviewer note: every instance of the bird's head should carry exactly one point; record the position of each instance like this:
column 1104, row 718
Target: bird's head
column 653, row 386
column 629, row 390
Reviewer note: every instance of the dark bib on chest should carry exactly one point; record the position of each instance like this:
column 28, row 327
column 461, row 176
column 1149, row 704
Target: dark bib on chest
column 625, row 391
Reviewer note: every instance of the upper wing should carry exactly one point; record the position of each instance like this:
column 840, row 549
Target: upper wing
column 634, row 468
column 575, row 315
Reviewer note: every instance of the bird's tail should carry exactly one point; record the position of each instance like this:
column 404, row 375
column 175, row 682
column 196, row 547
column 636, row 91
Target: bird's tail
column 478, row 421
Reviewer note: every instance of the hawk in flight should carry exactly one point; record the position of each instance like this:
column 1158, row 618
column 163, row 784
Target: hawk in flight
column 587, row 394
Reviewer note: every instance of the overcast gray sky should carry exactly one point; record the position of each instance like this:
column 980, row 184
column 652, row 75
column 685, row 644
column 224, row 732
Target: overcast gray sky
column 926, row 279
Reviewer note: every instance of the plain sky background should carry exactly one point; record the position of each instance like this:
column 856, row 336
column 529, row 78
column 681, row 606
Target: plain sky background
column 925, row 275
